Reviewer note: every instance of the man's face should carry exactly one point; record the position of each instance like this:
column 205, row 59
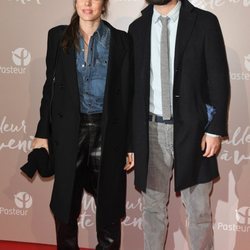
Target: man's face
column 158, row 2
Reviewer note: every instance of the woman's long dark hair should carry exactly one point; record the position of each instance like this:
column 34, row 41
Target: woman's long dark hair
column 70, row 36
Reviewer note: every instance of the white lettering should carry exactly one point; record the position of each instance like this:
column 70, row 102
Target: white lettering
column 24, row 145
column 86, row 220
column 225, row 156
column 246, row 3
column 239, row 158
column 233, row 227
column 240, row 137
column 6, row 127
column 235, row 156
column 13, row 211
column 87, row 217
column 138, row 204
column 12, row 70
column 220, row 3
column 240, row 76
column 134, row 222
column 26, row 1
column 88, row 204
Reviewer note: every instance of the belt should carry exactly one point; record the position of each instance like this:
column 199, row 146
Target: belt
column 159, row 119
column 91, row 117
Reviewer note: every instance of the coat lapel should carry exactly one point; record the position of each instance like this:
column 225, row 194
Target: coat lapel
column 186, row 23
column 116, row 54
column 146, row 43
column 146, row 36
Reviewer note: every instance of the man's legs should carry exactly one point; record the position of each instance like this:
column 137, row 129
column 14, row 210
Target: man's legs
column 197, row 203
column 155, row 220
column 155, row 200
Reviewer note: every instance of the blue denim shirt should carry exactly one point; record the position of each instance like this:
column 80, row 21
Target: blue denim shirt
column 92, row 74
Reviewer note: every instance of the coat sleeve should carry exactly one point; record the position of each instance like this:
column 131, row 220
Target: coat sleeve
column 218, row 77
column 43, row 124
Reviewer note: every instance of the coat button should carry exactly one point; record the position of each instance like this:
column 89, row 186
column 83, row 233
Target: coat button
column 60, row 115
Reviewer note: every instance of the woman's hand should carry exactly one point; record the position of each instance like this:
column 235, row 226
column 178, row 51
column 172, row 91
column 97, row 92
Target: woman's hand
column 130, row 161
column 40, row 143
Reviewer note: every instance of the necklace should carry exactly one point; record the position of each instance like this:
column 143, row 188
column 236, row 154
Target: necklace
column 86, row 46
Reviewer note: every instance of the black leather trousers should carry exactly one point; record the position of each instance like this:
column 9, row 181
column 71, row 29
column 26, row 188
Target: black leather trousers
column 87, row 171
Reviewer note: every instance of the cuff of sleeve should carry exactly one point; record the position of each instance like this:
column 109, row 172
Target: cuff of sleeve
column 212, row 135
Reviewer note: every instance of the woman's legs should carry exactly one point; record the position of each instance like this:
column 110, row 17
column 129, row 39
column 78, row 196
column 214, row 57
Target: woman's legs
column 87, row 174
column 67, row 233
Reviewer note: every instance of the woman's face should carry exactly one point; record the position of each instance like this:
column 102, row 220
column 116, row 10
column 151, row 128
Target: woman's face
column 89, row 10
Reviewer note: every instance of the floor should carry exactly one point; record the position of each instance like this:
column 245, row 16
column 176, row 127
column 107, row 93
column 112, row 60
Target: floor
column 10, row 245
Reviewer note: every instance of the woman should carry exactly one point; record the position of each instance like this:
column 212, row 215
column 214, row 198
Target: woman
column 85, row 113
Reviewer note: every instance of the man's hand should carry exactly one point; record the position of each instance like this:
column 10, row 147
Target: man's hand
column 130, row 161
column 211, row 145
column 40, row 143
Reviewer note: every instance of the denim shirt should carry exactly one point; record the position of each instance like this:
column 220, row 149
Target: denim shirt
column 92, row 74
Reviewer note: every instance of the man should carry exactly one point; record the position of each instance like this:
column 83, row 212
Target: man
column 179, row 114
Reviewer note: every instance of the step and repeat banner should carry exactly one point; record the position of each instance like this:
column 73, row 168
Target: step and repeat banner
column 24, row 204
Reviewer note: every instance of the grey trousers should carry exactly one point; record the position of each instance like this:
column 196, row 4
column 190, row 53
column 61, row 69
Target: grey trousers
column 196, row 199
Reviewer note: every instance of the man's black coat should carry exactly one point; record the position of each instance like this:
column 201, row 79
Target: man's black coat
column 200, row 77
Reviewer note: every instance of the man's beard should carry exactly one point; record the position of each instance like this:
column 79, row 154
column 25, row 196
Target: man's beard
column 158, row 2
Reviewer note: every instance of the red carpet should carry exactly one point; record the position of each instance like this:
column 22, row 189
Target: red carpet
column 10, row 245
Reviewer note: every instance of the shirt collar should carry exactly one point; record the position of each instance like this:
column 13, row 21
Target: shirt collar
column 172, row 15
column 101, row 34
column 100, row 30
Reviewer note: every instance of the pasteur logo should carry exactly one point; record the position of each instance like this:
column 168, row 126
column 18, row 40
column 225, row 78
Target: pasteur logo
column 243, row 215
column 23, row 200
column 21, row 57
column 247, row 62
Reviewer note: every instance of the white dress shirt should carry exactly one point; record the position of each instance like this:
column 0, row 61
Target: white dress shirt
column 155, row 62
column 155, row 102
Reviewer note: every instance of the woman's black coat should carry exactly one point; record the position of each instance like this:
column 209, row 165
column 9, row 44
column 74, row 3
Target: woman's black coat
column 60, row 119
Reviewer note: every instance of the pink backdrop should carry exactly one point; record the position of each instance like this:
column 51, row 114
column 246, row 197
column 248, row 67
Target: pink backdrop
column 24, row 211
